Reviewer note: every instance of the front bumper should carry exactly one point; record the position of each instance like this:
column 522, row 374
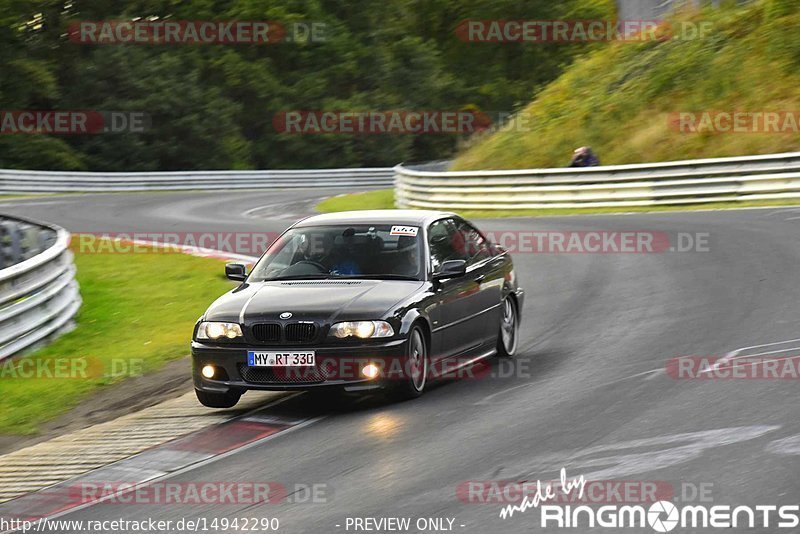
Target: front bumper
column 336, row 367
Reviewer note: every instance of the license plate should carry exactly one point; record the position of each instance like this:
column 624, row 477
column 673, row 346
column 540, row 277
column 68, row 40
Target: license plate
column 303, row 358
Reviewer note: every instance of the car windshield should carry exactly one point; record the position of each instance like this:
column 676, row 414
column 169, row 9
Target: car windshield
column 374, row 251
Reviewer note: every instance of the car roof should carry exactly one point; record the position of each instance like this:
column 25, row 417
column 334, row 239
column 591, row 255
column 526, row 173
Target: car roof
column 400, row 217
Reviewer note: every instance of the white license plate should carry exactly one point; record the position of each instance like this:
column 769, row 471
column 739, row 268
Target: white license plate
column 303, row 358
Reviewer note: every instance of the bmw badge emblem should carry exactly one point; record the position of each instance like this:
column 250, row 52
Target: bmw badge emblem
column 286, row 315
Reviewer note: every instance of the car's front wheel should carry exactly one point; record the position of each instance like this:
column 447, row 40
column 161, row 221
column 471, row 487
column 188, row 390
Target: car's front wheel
column 415, row 368
column 218, row 400
column 509, row 329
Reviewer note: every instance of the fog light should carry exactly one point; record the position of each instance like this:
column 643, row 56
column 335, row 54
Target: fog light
column 208, row 371
column 370, row 371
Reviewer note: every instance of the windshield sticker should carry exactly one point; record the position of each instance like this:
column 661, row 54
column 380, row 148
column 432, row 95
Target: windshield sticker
column 404, row 230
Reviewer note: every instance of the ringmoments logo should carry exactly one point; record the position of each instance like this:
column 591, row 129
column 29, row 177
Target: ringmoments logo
column 660, row 516
column 664, row 516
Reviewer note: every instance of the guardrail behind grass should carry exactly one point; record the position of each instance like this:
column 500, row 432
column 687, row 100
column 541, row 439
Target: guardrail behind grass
column 39, row 295
column 14, row 181
column 770, row 177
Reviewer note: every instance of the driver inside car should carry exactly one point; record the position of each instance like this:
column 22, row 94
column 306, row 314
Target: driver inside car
column 310, row 256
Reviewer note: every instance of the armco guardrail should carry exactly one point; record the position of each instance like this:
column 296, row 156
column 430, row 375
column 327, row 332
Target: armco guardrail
column 13, row 181
column 38, row 293
column 768, row 177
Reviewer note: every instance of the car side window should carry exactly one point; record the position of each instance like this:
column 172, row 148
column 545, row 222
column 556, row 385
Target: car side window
column 474, row 245
column 443, row 243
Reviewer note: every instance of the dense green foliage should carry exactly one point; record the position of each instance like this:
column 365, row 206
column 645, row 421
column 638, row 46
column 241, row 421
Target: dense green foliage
column 622, row 99
column 212, row 106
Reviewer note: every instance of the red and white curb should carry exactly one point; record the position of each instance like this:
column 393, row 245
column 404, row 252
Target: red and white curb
column 165, row 460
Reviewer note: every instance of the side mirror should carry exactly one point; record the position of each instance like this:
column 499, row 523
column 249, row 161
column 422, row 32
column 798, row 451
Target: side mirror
column 236, row 272
column 451, row 269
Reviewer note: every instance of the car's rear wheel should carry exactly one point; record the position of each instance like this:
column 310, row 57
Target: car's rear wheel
column 509, row 329
column 415, row 368
column 218, row 400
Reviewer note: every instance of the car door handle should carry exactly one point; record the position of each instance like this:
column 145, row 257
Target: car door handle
column 480, row 278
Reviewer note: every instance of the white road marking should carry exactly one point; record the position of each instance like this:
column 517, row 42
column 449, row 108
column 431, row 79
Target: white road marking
column 630, row 458
column 753, row 364
column 656, row 372
column 736, row 354
column 733, row 355
column 249, row 213
column 277, row 210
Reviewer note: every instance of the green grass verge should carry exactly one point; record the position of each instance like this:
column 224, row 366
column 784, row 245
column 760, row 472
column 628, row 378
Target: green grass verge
column 384, row 199
column 135, row 307
column 623, row 98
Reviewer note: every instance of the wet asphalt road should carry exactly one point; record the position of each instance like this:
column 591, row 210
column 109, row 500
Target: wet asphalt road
column 588, row 390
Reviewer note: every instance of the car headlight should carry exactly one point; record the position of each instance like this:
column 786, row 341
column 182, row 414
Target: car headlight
column 216, row 330
column 362, row 329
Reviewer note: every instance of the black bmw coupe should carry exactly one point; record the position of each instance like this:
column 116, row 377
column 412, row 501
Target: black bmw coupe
column 359, row 301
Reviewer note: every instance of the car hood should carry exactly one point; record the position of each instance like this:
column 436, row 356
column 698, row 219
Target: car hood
column 326, row 300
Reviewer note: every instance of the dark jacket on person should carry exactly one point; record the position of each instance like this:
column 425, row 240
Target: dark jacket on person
column 585, row 160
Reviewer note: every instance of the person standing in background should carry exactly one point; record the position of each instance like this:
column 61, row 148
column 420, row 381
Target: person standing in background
column 584, row 157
